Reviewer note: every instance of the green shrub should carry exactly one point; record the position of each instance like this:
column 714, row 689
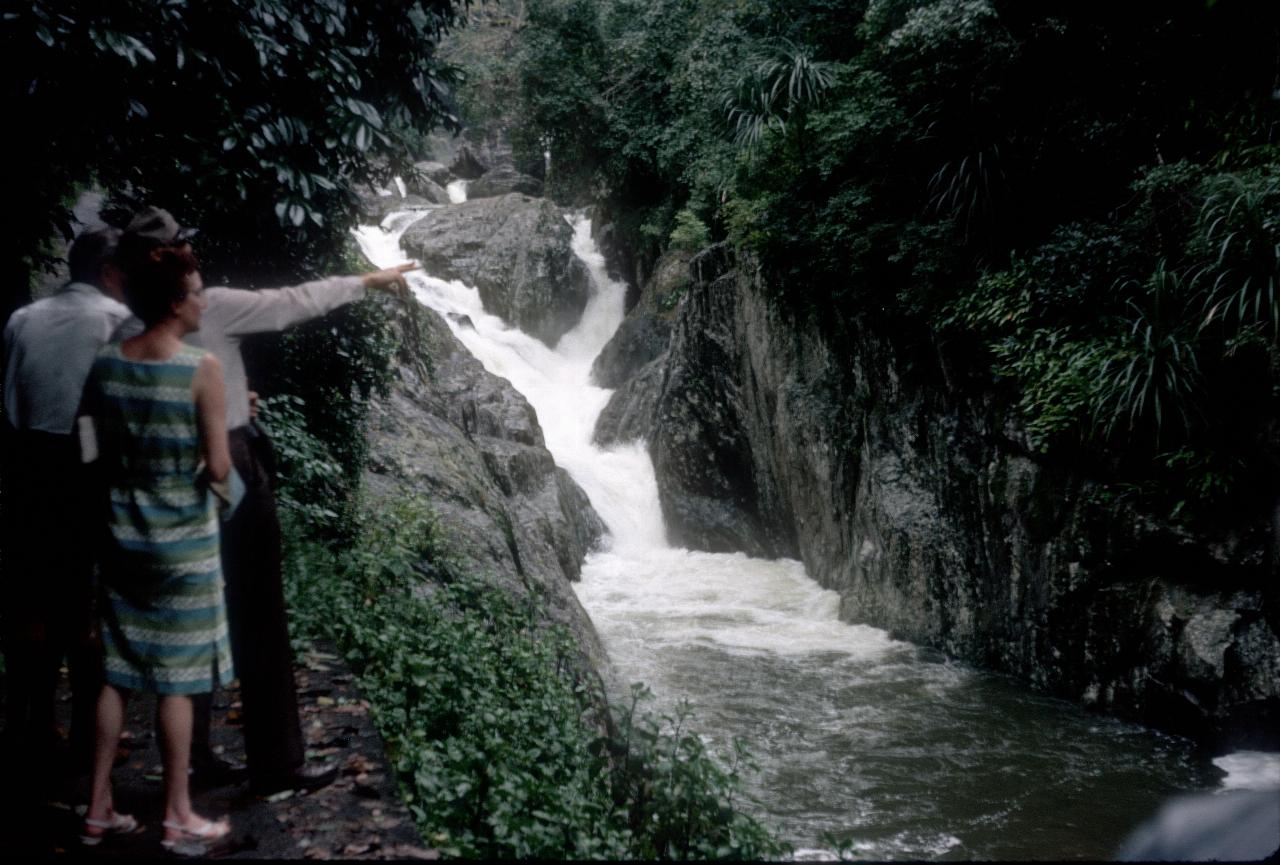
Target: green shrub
column 690, row 233
column 496, row 738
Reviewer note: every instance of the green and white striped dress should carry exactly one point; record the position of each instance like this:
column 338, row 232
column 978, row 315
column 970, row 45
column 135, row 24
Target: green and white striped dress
column 164, row 626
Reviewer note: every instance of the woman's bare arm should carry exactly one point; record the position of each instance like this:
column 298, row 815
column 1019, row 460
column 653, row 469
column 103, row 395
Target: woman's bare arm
column 211, row 413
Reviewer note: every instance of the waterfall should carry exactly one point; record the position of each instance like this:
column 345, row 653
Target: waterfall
column 860, row 737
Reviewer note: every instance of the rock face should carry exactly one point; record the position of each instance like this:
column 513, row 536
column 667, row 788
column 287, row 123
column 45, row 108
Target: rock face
column 503, row 180
column 436, row 172
column 466, row 164
column 374, row 208
column 639, row 340
column 472, row 444
column 634, row 360
column 923, row 513
column 429, row 189
column 516, row 251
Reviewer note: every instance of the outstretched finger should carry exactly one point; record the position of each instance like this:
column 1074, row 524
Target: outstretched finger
column 407, row 266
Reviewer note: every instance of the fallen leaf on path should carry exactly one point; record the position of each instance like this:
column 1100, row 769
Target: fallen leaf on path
column 358, row 764
column 357, row 848
column 408, row 851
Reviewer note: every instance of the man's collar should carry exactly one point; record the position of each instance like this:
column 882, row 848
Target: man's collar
column 83, row 288
column 88, row 290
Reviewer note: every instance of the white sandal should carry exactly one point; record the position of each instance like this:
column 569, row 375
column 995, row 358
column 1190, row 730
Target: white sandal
column 116, row 824
column 212, row 830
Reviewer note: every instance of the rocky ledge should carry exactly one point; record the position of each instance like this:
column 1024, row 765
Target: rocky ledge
column 472, row 444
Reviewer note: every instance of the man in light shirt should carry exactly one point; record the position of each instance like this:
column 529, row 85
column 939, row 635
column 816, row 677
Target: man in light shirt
column 251, row 555
column 48, row 522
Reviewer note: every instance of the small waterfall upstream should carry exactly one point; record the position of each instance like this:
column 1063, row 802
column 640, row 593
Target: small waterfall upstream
column 861, row 739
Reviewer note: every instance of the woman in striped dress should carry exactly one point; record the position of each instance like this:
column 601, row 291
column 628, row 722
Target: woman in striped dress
column 159, row 410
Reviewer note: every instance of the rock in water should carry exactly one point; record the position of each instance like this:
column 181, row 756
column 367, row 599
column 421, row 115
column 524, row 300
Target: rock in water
column 436, row 172
column 472, row 444
column 634, row 359
column 375, row 207
column 516, row 251
column 502, row 181
column 466, row 164
column 427, row 188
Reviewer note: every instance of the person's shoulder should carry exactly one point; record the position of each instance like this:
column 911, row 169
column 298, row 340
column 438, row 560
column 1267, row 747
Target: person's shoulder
column 204, row 360
column 23, row 315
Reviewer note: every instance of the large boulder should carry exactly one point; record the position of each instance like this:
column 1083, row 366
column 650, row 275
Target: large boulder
column 427, row 188
column 436, row 172
column 375, row 207
column 629, row 414
column 517, row 251
column 503, row 180
column 472, row 444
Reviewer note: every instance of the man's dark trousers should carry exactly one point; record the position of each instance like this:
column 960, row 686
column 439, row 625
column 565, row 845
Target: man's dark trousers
column 50, row 529
column 256, row 616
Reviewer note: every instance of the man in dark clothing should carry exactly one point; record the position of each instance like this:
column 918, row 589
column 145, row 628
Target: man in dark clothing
column 48, row 522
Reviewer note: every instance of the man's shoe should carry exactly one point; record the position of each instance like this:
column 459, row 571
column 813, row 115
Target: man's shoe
column 217, row 772
column 308, row 776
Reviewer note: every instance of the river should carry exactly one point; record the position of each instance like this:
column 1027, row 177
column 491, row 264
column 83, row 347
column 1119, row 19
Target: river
column 862, row 741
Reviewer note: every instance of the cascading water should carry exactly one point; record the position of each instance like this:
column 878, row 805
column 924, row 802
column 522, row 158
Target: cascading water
column 860, row 738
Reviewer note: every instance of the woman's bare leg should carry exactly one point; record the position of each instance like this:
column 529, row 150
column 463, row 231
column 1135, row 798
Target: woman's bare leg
column 175, row 754
column 175, row 751
column 107, row 727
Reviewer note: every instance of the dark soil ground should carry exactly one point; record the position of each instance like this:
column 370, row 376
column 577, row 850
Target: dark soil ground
column 359, row 816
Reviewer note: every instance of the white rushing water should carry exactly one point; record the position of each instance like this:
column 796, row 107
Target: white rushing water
column 858, row 735
column 637, row 580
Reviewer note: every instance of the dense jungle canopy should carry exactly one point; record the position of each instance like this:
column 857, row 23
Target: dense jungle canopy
column 1075, row 203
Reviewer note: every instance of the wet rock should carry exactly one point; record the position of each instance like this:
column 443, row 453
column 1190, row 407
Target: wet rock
column 436, row 172
column 466, row 164
column 634, row 359
column 516, row 251
column 472, row 444
column 428, row 189
column 639, row 339
column 375, row 207
column 503, row 180
column 628, row 415
column 918, row 507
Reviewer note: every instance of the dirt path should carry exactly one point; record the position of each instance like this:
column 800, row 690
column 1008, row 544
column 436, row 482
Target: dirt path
column 359, row 816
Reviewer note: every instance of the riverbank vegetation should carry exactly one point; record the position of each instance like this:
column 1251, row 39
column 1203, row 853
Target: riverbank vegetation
column 502, row 747
column 1075, row 205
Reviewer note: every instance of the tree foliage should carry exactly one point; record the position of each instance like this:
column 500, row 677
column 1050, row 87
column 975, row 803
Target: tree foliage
column 253, row 119
column 1020, row 189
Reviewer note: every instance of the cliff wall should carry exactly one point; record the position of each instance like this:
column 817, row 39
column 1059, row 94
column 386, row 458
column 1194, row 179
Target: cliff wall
column 921, row 509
